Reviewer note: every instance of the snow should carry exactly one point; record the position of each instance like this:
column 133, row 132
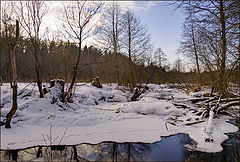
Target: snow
column 105, row 114
column 155, row 107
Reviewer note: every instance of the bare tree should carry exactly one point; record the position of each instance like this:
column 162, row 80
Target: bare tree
column 136, row 42
column 109, row 33
column 178, row 65
column 215, row 17
column 12, row 43
column 161, row 59
column 30, row 14
column 188, row 43
column 78, row 16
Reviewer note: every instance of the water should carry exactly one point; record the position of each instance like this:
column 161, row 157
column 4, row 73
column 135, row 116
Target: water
column 168, row 149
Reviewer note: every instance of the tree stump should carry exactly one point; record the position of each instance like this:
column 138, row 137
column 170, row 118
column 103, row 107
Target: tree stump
column 138, row 90
column 96, row 82
column 57, row 90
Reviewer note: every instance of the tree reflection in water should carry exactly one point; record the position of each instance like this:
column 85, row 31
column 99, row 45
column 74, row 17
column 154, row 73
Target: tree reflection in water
column 168, row 149
column 112, row 151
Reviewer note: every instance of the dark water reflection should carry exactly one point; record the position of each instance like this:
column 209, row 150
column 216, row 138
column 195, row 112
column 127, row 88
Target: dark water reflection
column 168, row 149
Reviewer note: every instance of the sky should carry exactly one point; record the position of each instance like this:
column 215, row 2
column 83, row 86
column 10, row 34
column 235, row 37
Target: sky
column 164, row 25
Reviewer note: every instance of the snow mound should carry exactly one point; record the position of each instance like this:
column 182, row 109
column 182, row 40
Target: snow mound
column 156, row 107
column 89, row 95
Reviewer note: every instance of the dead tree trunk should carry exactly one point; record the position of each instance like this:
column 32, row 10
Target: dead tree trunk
column 222, row 83
column 195, row 53
column 209, row 127
column 57, row 90
column 75, row 69
column 138, row 91
column 96, row 82
column 39, row 83
column 38, row 73
column 12, row 46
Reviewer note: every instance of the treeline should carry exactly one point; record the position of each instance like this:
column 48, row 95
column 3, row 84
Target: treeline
column 57, row 60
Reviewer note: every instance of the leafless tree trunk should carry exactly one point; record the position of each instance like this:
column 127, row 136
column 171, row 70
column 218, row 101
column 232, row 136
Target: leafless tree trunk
column 214, row 18
column 195, row 52
column 110, row 33
column 160, row 58
column 12, row 46
column 222, row 83
column 30, row 15
column 130, row 63
column 78, row 19
column 136, row 43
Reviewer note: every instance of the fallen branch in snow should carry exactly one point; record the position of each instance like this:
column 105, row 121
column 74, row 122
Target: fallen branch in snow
column 195, row 100
column 22, row 90
column 182, row 105
column 226, row 106
column 230, row 99
column 211, row 99
column 172, row 123
column 166, row 126
column 176, row 120
column 208, row 129
column 197, row 122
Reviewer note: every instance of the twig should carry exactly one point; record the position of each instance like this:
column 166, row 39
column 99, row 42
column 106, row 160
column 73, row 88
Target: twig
column 63, row 136
column 210, row 99
column 166, row 126
column 187, row 124
column 172, row 123
column 22, row 90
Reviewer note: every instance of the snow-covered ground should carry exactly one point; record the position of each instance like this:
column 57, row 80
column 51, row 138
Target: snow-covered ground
column 106, row 114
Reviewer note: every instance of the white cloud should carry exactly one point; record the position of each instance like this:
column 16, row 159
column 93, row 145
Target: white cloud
column 137, row 5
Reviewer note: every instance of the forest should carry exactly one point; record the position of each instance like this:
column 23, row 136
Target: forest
column 102, row 59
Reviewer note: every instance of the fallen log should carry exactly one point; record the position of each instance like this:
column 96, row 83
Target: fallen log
column 211, row 99
column 195, row 100
column 172, row 123
column 181, row 105
column 208, row 129
column 226, row 106
column 230, row 99
column 197, row 122
column 22, row 90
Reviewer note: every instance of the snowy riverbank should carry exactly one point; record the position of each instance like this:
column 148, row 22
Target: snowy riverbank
column 105, row 114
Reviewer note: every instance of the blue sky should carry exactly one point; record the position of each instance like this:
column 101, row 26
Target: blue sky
column 164, row 24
